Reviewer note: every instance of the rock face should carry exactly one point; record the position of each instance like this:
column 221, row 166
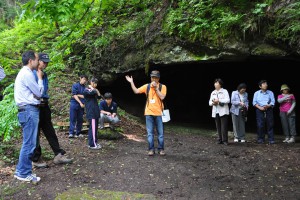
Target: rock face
column 151, row 46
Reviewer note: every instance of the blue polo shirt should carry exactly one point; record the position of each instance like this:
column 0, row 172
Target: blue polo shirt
column 112, row 108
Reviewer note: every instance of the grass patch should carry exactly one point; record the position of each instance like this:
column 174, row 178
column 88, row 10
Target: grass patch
column 8, row 190
column 87, row 194
column 186, row 129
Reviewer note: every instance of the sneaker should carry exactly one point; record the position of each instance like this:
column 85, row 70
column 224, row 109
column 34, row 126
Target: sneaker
column 291, row 140
column 260, row 141
column 16, row 174
column 101, row 127
column 61, row 159
column 71, row 136
column 30, row 178
column 78, row 136
column 162, row 153
column 150, row 153
column 286, row 139
column 99, row 145
column 243, row 141
column 39, row 164
column 95, row 148
column 272, row 142
column 236, row 140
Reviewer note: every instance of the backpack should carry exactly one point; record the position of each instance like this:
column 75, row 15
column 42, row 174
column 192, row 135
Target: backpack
column 148, row 88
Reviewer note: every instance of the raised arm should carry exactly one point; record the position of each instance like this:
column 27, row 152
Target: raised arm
column 130, row 80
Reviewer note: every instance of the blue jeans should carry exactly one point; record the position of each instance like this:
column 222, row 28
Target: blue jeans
column 151, row 123
column 29, row 121
column 76, row 118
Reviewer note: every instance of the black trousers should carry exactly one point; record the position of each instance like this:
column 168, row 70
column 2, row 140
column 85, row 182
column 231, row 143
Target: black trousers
column 222, row 127
column 46, row 126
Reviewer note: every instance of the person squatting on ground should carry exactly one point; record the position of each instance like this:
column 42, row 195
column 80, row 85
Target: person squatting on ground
column 287, row 113
column 77, row 107
column 239, row 101
column 264, row 101
column 153, row 110
column 91, row 96
column 45, row 122
column 108, row 111
column 27, row 94
column 219, row 100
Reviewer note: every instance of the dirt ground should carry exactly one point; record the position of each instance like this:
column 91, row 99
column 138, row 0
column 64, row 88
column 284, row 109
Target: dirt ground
column 195, row 167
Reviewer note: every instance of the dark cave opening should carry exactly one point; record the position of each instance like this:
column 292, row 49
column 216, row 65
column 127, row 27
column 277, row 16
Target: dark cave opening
column 189, row 86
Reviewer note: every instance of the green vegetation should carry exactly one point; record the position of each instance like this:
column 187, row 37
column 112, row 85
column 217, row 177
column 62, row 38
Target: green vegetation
column 70, row 31
column 287, row 25
column 88, row 193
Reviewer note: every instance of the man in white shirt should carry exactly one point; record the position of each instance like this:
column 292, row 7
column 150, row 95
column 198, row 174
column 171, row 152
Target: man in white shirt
column 27, row 94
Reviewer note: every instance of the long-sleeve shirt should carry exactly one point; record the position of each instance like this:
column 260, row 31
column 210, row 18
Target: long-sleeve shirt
column 236, row 99
column 77, row 88
column 91, row 103
column 26, row 89
column 287, row 102
column 2, row 73
column 224, row 98
column 263, row 98
column 45, row 84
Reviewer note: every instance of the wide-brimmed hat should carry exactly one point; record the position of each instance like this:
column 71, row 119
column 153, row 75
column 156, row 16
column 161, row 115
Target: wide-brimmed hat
column 284, row 87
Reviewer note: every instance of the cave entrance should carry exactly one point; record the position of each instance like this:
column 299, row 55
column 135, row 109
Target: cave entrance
column 189, row 86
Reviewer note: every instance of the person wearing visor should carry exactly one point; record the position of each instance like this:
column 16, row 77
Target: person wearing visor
column 45, row 123
column 153, row 110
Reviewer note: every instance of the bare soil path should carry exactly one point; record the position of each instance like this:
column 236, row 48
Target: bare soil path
column 195, row 167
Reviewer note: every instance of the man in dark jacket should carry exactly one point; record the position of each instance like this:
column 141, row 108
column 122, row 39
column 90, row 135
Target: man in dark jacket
column 91, row 96
column 45, row 123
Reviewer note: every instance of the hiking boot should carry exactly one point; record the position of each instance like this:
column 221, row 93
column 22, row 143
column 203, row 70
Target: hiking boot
column 162, row 153
column 286, row 139
column 61, row 159
column 30, row 178
column 291, row 140
column 39, row 164
column 150, row 153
